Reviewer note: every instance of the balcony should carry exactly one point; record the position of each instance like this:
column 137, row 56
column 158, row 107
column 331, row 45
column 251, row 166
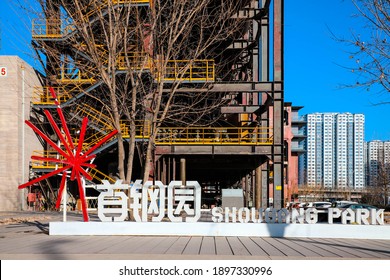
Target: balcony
column 214, row 136
column 190, row 71
column 51, row 28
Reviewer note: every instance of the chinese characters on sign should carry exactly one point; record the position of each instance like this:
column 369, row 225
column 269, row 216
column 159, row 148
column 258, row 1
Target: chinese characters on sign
column 148, row 200
column 112, row 195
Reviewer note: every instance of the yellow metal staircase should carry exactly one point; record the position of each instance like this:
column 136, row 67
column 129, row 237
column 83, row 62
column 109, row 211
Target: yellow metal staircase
column 43, row 28
column 46, row 165
column 95, row 117
column 95, row 7
column 102, row 125
column 99, row 176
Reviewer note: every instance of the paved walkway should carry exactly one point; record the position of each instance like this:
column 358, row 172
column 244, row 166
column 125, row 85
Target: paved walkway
column 24, row 235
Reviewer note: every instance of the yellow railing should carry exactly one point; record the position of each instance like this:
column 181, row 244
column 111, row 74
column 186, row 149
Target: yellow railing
column 51, row 28
column 214, row 136
column 100, row 49
column 142, row 132
column 102, row 121
column 38, row 164
column 98, row 175
column 58, row 28
column 95, row 174
column 42, row 95
column 130, row 1
column 90, row 140
column 74, row 75
column 142, row 129
column 134, row 61
column 199, row 70
column 95, row 117
column 194, row 135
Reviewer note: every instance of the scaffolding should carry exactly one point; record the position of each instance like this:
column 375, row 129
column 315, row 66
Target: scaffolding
column 239, row 142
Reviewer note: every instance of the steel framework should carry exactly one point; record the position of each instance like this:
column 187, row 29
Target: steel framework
column 243, row 148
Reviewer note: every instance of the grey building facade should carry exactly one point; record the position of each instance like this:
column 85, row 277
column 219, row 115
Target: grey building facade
column 17, row 82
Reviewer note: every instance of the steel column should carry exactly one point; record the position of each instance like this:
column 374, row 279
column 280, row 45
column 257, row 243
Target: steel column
column 264, row 48
column 264, row 186
column 278, row 106
column 183, row 174
column 258, row 191
column 164, row 171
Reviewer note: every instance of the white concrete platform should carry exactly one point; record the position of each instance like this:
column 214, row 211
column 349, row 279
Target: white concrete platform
column 221, row 229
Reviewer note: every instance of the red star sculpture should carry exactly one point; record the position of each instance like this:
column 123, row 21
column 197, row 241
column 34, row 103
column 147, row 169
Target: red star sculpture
column 74, row 158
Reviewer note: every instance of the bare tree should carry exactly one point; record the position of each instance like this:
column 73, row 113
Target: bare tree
column 127, row 62
column 82, row 58
column 370, row 48
column 187, row 33
column 378, row 192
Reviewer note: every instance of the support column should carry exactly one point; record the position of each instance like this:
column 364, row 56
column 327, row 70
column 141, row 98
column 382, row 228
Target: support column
column 174, row 168
column 278, row 106
column 158, row 171
column 258, row 190
column 264, row 46
column 169, row 178
column 253, row 188
column 247, row 190
column 164, row 171
column 264, row 185
column 183, row 171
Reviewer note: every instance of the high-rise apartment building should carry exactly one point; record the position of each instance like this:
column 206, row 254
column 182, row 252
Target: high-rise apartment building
column 335, row 150
column 377, row 161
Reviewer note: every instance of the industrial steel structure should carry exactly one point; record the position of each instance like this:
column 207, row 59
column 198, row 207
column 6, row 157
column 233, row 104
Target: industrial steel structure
column 240, row 144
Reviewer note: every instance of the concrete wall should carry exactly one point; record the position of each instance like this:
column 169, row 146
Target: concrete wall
column 15, row 153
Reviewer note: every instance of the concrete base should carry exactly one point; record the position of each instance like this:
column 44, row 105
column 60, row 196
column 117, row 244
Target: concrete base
column 222, row 229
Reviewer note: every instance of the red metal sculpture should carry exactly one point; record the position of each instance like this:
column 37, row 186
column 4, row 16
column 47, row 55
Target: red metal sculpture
column 74, row 158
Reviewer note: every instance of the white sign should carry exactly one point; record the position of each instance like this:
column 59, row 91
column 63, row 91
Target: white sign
column 112, row 196
column 301, row 216
column 149, row 201
column 3, row 71
column 153, row 201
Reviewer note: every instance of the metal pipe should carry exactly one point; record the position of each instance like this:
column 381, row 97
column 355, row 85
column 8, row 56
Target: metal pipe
column 183, row 171
column 23, row 137
column 64, row 201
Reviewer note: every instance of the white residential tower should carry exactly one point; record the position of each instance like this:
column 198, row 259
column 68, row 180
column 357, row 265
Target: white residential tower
column 377, row 161
column 335, row 150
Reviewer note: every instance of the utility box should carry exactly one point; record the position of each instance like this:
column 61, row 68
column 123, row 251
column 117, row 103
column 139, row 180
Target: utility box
column 232, row 198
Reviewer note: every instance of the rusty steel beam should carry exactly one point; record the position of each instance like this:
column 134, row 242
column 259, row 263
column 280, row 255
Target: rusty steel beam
column 239, row 109
column 278, row 106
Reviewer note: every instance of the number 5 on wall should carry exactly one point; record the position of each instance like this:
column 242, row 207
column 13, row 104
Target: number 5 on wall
column 3, row 71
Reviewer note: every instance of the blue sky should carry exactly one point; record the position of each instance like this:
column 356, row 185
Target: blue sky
column 313, row 63
column 313, row 75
